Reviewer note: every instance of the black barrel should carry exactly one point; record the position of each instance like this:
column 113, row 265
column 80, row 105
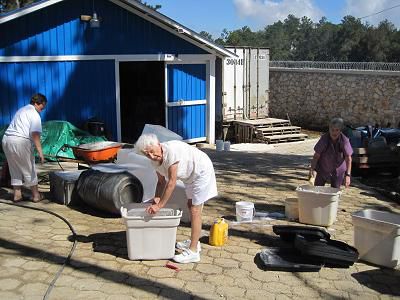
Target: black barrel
column 109, row 191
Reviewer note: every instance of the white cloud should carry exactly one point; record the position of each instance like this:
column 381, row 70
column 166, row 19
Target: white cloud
column 361, row 8
column 267, row 12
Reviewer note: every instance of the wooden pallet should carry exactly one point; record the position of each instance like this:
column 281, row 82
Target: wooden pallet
column 263, row 132
column 280, row 138
column 268, row 130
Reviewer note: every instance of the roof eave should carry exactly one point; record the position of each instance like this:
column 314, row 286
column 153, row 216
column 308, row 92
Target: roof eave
column 219, row 50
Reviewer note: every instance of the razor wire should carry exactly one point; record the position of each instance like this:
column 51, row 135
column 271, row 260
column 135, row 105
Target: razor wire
column 329, row 65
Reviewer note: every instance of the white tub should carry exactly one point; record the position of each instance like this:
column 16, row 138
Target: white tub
column 318, row 204
column 150, row 236
column 377, row 237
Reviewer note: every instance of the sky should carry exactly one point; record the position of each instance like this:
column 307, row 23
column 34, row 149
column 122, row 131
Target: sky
column 215, row 15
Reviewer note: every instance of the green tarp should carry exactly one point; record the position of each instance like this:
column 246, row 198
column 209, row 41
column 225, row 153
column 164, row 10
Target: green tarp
column 55, row 134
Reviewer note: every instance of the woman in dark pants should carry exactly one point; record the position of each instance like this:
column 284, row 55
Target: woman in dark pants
column 332, row 157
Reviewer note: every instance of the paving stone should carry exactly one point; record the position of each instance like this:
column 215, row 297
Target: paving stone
column 113, row 276
column 119, row 297
column 100, row 268
column 88, row 295
column 87, row 284
column 9, row 284
column 198, row 287
column 283, row 297
column 220, row 278
column 11, row 296
column 33, row 289
column 190, row 276
column 208, row 269
column 37, row 276
column 226, row 263
column 161, row 272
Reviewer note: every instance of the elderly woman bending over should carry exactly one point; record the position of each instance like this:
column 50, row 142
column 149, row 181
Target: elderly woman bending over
column 176, row 160
column 332, row 157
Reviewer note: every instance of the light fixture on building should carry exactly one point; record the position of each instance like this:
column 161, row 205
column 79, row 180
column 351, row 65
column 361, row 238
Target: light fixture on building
column 94, row 21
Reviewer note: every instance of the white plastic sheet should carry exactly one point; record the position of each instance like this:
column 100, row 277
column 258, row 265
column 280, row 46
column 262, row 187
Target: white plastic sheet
column 163, row 134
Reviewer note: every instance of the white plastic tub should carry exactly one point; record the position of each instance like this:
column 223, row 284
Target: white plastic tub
column 150, row 237
column 377, row 237
column 318, row 204
column 292, row 209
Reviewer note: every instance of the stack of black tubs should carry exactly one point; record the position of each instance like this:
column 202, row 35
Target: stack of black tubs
column 307, row 248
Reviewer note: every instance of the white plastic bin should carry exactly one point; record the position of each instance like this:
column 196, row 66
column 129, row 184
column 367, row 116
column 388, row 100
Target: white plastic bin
column 377, row 237
column 150, row 236
column 318, row 204
column 292, row 209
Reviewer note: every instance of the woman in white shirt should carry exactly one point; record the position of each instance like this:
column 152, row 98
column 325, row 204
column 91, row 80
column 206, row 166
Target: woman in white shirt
column 23, row 131
column 176, row 160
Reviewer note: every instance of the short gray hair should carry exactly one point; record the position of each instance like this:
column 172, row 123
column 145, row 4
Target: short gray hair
column 145, row 141
column 337, row 123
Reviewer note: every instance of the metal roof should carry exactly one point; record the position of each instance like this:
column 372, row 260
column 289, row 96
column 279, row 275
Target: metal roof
column 150, row 14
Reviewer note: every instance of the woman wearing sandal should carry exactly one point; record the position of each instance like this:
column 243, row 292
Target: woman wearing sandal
column 23, row 131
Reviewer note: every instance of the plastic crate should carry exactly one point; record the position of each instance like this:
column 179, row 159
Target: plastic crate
column 377, row 237
column 150, row 237
column 318, row 204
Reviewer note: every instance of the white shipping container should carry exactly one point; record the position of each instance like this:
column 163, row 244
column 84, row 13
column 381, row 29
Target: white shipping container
column 245, row 84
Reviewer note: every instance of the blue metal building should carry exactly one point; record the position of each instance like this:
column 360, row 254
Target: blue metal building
column 117, row 61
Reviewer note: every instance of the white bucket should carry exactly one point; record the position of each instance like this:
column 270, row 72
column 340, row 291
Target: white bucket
column 227, row 146
column 245, row 211
column 219, row 145
column 292, row 209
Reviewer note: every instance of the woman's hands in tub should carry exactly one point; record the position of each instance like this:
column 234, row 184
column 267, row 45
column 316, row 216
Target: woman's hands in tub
column 154, row 208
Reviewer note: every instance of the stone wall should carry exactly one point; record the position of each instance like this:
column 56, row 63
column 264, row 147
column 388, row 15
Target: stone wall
column 312, row 97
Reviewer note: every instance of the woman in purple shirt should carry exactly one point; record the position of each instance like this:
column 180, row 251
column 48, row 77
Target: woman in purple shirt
column 332, row 157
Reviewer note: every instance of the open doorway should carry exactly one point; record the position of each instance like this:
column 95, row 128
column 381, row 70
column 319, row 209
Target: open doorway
column 142, row 97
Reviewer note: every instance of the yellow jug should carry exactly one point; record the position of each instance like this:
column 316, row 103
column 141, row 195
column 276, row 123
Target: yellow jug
column 219, row 233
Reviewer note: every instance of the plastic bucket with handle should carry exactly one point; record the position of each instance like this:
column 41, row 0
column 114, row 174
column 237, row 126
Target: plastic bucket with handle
column 245, row 211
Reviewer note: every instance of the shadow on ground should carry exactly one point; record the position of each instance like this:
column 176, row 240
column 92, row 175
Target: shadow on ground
column 374, row 279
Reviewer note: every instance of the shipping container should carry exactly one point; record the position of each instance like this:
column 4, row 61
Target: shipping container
column 245, row 84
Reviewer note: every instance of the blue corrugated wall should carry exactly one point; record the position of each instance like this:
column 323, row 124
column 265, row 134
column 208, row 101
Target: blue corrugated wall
column 187, row 82
column 76, row 90
column 81, row 89
column 58, row 30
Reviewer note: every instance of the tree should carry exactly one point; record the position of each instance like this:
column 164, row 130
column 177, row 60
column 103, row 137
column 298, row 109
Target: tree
column 155, row 7
column 206, row 35
column 277, row 39
column 305, row 41
column 351, row 32
column 325, row 35
column 241, row 37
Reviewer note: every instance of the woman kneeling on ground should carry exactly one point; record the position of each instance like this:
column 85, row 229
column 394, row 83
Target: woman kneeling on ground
column 176, row 160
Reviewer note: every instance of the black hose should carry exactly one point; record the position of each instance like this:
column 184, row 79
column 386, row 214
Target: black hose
column 50, row 288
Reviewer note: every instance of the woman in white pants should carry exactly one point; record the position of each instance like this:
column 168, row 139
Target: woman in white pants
column 176, row 160
column 23, row 131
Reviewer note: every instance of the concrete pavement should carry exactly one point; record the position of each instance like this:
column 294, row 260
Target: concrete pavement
column 35, row 244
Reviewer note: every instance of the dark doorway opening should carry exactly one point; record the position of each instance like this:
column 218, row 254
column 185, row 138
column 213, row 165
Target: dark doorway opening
column 142, row 97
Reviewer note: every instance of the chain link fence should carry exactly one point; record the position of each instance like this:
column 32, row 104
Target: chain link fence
column 328, row 65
